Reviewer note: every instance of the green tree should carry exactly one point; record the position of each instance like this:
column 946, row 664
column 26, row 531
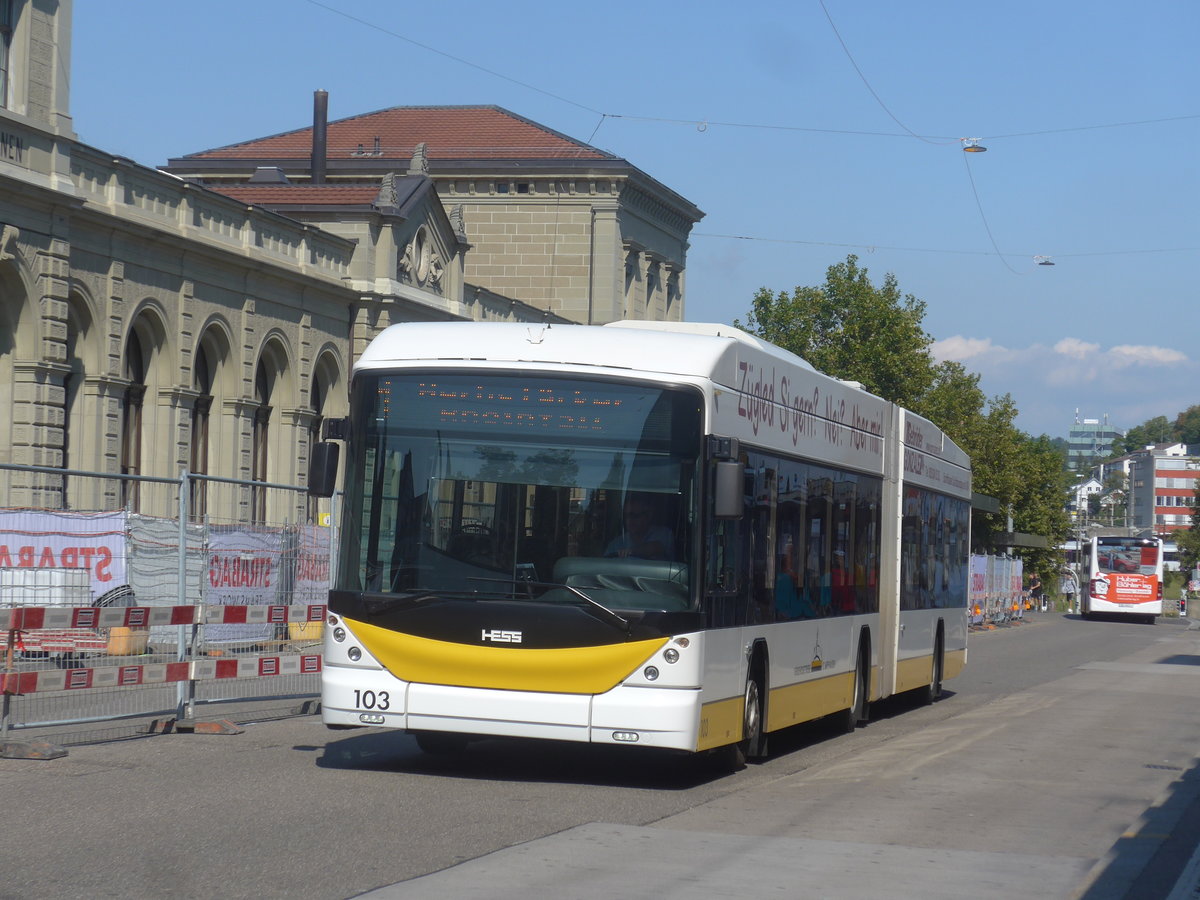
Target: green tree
column 850, row 329
column 1038, row 507
column 1187, row 426
column 1114, row 498
column 994, row 445
column 953, row 400
column 1152, row 431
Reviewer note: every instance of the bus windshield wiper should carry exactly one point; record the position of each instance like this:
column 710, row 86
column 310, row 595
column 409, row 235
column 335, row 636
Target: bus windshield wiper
column 587, row 604
column 599, row 610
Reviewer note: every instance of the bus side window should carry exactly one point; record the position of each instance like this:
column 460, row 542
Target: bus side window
column 761, row 519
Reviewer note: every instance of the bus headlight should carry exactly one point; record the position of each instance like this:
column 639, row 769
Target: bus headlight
column 339, row 634
column 354, row 653
column 671, row 655
column 651, row 673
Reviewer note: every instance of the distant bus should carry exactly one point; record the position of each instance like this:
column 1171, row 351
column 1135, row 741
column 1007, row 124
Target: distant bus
column 663, row 535
column 1124, row 577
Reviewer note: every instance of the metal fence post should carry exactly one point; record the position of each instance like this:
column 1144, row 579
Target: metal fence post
column 185, row 690
column 9, row 670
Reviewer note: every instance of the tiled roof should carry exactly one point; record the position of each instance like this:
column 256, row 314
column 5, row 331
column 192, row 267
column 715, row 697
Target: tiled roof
column 300, row 195
column 449, row 133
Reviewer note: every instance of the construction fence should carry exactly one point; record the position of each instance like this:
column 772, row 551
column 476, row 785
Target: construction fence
column 172, row 600
column 997, row 592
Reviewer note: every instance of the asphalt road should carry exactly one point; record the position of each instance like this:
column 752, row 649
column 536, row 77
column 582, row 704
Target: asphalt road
column 1062, row 763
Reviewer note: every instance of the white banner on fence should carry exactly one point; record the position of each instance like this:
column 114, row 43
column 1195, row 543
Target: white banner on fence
column 37, row 539
column 243, row 570
column 312, row 566
column 979, row 570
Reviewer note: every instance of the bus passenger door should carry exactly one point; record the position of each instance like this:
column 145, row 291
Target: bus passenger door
column 725, row 554
column 891, row 550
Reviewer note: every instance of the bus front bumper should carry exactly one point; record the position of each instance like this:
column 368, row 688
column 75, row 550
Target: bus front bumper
column 664, row 718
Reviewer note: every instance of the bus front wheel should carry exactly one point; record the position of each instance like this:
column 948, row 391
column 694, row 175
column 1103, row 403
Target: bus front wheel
column 732, row 758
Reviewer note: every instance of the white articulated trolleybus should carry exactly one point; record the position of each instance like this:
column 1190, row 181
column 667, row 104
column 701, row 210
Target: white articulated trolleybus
column 664, row 535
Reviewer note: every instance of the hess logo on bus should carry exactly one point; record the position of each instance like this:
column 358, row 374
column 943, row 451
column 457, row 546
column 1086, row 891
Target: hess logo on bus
column 498, row 636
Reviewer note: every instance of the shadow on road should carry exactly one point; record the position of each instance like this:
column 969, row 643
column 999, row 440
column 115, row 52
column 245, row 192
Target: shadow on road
column 522, row 760
column 1147, row 861
column 517, row 759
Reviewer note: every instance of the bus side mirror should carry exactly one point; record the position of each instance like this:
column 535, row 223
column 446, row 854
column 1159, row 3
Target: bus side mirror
column 335, row 429
column 323, row 468
column 728, row 490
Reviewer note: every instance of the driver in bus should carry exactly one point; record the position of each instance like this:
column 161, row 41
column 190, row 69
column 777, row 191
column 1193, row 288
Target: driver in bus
column 640, row 536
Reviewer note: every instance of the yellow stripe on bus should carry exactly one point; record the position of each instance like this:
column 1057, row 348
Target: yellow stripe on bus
column 720, row 723
column 809, row 700
column 917, row 672
column 913, row 673
column 569, row 670
column 954, row 663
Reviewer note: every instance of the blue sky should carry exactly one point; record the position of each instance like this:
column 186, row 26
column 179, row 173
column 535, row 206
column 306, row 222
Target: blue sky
column 805, row 131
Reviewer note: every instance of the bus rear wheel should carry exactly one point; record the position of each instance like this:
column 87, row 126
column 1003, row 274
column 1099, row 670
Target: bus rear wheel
column 752, row 727
column 857, row 712
column 933, row 691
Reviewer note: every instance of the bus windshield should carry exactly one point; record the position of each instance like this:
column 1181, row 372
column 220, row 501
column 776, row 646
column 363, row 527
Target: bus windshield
column 488, row 482
column 1127, row 556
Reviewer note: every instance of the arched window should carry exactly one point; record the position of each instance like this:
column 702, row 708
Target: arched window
column 78, row 442
column 202, row 383
column 12, row 303
column 316, row 401
column 131, row 420
column 9, row 9
column 263, row 386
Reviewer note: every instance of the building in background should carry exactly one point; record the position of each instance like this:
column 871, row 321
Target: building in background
column 150, row 324
column 1162, row 487
column 1081, row 494
column 545, row 219
column 1089, row 441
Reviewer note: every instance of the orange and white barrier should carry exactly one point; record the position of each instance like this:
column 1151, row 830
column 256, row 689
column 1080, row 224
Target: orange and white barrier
column 30, row 618
column 80, row 630
column 160, row 673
